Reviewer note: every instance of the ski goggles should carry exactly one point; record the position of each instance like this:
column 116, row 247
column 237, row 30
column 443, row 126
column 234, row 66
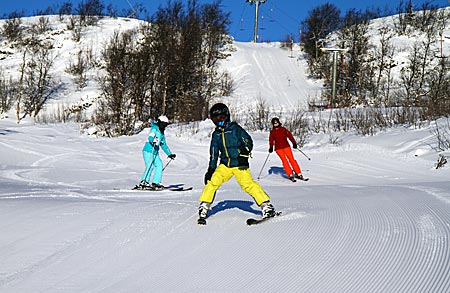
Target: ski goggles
column 219, row 118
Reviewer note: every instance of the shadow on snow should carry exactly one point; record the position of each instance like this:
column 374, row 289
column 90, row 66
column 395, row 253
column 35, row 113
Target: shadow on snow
column 278, row 171
column 243, row 205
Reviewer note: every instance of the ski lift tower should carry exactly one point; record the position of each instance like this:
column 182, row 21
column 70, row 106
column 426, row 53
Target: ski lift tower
column 256, row 2
column 335, row 52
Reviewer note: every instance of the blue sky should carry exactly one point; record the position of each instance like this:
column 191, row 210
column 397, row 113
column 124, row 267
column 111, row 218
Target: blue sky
column 278, row 18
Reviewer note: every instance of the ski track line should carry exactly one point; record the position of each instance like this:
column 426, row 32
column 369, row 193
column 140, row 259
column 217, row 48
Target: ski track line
column 389, row 252
column 424, row 259
column 191, row 162
column 362, row 170
column 429, row 216
column 47, row 260
column 416, row 267
column 129, row 280
column 22, row 150
column 109, row 228
column 129, row 246
column 18, row 175
column 357, row 166
column 31, row 213
column 442, row 195
column 401, row 240
column 319, row 225
column 435, row 229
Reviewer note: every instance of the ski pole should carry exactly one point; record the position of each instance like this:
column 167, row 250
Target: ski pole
column 263, row 165
column 155, row 154
column 304, row 154
column 167, row 164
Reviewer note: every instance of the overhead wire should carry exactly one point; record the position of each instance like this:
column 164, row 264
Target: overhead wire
column 281, row 25
column 241, row 18
column 286, row 14
column 132, row 8
column 289, row 31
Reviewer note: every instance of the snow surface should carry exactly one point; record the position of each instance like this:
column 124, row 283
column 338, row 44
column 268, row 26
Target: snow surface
column 374, row 217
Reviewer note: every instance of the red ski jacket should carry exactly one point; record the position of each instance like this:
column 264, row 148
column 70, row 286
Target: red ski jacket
column 278, row 137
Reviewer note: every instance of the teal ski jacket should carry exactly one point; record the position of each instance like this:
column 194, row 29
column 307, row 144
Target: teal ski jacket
column 156, row 140
column 232, row 143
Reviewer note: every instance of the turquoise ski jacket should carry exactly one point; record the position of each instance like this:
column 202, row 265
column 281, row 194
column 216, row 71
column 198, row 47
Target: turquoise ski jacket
column 156, row 140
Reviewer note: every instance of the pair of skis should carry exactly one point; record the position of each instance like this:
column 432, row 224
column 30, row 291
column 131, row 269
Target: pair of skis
column 250, row 221
column 295, row 179
column 254, row 221
column 138, row 187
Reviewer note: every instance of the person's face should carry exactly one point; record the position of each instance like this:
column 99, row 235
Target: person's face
column 219, row 120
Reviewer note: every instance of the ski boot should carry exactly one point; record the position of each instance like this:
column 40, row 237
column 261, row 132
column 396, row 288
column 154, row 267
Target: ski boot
column 299, row 176
column 203, row 212
column 157, row 186
column 268, row 211
column 292, row 178
column 143, row 185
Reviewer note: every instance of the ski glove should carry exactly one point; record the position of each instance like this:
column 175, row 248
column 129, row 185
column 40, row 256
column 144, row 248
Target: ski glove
column 270, row 150
column 294, row 145
column 209, row 174
column 243, row 157
column 172, row 156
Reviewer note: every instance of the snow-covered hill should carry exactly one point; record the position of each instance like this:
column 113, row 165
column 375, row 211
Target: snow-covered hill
column 374, row 216
column 64, row 52
column 260, row 72
column 270, row 73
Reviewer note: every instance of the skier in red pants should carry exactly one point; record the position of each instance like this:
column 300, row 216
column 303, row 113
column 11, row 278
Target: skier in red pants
column 279, row 138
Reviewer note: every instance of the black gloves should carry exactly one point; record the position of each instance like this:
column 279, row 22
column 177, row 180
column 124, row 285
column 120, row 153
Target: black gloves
column 172, row 156
column 209, row 174
column 294, row 145
column 243, row 161
column 270, row 149
column 243, row 157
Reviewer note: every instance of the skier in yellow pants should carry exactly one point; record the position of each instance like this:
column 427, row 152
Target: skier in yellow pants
column 223, row 173
column 233, row 144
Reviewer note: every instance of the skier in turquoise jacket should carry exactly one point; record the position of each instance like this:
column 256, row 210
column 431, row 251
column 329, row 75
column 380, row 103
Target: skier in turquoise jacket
column 150, row 152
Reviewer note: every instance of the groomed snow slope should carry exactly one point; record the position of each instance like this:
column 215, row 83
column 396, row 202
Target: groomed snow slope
column 265, row 72
column 373, row 217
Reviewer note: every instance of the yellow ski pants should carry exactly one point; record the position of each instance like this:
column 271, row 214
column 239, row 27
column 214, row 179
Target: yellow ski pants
column 243, row 177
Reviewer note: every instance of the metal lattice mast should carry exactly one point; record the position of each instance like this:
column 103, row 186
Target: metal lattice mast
column 333, row 89
column 256, row 2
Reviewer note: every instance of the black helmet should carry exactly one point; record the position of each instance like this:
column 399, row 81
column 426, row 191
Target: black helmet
column 275, row 120
column 219, row 109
